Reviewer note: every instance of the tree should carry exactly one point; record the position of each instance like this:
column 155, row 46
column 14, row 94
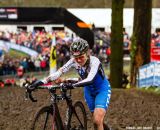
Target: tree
column 116, row 64
column 140, row 53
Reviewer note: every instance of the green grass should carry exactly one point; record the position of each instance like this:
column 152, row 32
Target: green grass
column 40, row 75
column 153, row 89
column 15, row 54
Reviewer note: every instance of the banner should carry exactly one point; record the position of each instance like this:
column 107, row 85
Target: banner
column 149, row 75
column 8, row 13
column 44, row 15
column 7, row 45
column 157, row 75
column 142, row 76
column 53, row 62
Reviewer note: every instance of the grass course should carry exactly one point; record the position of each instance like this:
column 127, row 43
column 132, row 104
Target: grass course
column 14, row 54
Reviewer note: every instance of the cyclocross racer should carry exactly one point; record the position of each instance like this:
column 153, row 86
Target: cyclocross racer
column 97, row 90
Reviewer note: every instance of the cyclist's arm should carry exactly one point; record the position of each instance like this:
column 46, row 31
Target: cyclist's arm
column 95, row 64
column 57, row 74
column 72, row 80
column 66, row 80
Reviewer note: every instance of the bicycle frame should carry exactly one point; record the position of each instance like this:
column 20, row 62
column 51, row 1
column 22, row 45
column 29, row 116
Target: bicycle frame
column 70, row 109
column 54, row 107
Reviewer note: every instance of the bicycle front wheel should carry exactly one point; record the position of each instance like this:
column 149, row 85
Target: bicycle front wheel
column 44, row 120
column 78, row 120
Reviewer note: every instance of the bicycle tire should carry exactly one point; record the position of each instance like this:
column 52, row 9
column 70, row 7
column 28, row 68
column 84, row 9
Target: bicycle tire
column 48, row 122
column 74, row 123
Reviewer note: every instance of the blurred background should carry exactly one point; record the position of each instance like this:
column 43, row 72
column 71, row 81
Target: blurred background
column 124, row 34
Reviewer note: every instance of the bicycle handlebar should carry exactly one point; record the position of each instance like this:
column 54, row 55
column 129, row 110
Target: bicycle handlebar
column 49, row 87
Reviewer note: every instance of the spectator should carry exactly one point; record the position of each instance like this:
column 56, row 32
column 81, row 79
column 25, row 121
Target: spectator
column 24, row 63
column 20, row 71
column 108, row 53
column 43, row 64
column 126, row 43
column 156, row 37
column 37, row 64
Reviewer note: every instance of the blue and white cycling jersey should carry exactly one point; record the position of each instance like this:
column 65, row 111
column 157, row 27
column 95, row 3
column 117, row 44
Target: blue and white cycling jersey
column 97, row 89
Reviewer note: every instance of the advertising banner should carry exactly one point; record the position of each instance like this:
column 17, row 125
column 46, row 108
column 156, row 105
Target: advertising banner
column 24, row 49
column 8, row 13
column 149, row 75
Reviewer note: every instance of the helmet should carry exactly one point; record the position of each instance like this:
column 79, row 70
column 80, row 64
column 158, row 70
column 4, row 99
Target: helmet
column 79, row 47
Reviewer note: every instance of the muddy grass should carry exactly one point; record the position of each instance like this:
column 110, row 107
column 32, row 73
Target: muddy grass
column 129, row 109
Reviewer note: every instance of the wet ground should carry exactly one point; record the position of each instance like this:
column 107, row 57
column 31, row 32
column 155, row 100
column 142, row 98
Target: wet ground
column 129, row 109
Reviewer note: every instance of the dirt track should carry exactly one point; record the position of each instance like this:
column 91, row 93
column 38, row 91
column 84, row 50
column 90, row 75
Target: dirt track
column 138, row 109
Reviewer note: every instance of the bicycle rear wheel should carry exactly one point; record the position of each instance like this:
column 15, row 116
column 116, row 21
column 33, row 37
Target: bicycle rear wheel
column 78, row 119
column 44, row 120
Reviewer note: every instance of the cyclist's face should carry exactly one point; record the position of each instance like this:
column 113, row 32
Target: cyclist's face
column 81, row 60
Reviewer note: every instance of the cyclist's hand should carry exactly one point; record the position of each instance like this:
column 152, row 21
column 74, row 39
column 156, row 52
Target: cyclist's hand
column 33, row 86
column 67, row 86
column 71, row 80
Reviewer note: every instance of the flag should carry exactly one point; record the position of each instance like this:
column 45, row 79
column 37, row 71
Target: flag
column 53, row 62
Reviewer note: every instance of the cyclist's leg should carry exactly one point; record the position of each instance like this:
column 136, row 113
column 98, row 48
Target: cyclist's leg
column 105, row 126
column 98, row 104
column 98, row 117
column 101, row 104
column 90, row 100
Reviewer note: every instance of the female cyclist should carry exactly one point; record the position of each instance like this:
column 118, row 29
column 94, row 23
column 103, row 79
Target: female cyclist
column 97, row 90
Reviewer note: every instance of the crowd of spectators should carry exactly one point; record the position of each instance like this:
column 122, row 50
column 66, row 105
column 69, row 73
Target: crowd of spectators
column 23, row 65
column 156, row 38
column 41, row 42
column 36, row 40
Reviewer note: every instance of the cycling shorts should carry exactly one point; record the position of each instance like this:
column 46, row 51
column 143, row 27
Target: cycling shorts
column 98, row 96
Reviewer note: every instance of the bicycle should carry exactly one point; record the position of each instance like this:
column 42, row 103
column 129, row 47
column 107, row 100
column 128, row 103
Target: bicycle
column 48, row 117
